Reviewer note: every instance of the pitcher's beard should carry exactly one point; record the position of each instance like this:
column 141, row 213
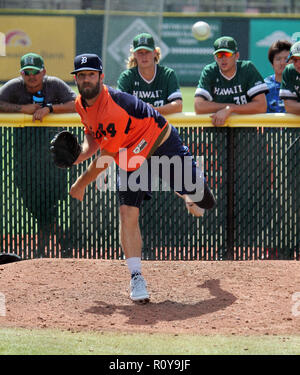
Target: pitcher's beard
column 89, row 92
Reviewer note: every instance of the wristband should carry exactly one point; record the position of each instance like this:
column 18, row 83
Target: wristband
column 49, row 105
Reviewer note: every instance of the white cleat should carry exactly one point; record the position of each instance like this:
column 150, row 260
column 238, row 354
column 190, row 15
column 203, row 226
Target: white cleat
column 192, row 207
column 138, row 289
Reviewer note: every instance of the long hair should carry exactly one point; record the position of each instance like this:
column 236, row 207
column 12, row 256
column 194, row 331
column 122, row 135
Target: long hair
column 131, row 62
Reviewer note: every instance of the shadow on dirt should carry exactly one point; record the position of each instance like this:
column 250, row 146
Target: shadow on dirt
column 167, row 310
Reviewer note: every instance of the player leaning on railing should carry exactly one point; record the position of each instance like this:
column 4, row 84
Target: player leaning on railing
column 145, row 78
column 290, row 84
column 229, row 85
column 38, row 94
column 125, row 129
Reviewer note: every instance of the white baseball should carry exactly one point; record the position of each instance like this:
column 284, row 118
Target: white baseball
column 201, row 30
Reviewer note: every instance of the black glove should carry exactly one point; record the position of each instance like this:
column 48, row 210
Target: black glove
column 9, row 258
column 65, row 149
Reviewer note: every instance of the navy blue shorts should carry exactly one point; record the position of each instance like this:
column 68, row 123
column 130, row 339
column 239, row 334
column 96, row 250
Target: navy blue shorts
column 171, row 167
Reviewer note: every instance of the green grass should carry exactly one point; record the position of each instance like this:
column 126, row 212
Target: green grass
column 188, row 94
column 54, row 342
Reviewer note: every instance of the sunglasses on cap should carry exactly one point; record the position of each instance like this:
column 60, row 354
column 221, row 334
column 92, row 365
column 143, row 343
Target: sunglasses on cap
column 223, row 54
column 30, row 72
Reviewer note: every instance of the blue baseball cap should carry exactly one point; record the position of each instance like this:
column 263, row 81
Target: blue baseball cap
column 87, row 61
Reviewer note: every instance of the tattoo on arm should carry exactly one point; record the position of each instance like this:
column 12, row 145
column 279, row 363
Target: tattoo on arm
column 9, row 107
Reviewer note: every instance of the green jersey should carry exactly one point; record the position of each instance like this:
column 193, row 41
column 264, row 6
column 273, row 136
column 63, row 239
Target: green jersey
column 239, row 89
column 162, row 89
column 290, row 84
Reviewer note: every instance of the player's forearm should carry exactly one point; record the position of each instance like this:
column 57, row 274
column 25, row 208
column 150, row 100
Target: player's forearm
column 85, row 155
column 9, row 107
column 68, row 107
column 28, row 109
column 203, row 107
column 249, row 108
column 89, row 147
column 90, row 174
column 96, row 167
column 291, row 106
column 170, row 108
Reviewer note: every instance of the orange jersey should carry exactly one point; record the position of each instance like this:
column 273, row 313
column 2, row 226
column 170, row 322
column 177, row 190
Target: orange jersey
column 121, row 122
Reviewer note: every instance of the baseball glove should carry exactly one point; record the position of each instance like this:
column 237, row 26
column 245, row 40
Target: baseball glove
column 65, row 149
column 9, row 258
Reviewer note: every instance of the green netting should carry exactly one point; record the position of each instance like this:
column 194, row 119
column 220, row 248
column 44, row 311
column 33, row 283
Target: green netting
column 254, row 174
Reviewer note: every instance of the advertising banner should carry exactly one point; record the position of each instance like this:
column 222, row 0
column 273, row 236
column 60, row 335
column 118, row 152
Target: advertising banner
column 263, row 32
column 179, row 49
column 51, row 37
column 120, row 31
column 186, row 55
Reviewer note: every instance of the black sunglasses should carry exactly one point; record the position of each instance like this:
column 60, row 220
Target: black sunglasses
column 31, row 72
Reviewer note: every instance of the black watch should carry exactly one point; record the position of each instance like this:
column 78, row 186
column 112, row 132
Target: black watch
column 49, row 105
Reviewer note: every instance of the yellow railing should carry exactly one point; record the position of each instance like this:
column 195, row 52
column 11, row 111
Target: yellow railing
column 280, row 120
column 185, row 119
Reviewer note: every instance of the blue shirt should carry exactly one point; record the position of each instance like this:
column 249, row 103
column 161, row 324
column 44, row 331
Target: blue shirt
column 275, row 104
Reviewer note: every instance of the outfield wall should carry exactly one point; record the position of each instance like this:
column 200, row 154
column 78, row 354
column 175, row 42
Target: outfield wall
column 252, row 166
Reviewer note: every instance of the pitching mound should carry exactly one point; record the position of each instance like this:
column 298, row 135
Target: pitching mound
column 242, row 298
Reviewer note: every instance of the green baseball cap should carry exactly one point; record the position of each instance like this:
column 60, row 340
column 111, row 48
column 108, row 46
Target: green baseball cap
column 225, row 44
column 294, row 51
column 32, row 61
column 143, row 41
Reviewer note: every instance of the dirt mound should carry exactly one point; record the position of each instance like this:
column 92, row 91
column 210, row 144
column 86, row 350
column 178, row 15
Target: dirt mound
column 242, row 298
